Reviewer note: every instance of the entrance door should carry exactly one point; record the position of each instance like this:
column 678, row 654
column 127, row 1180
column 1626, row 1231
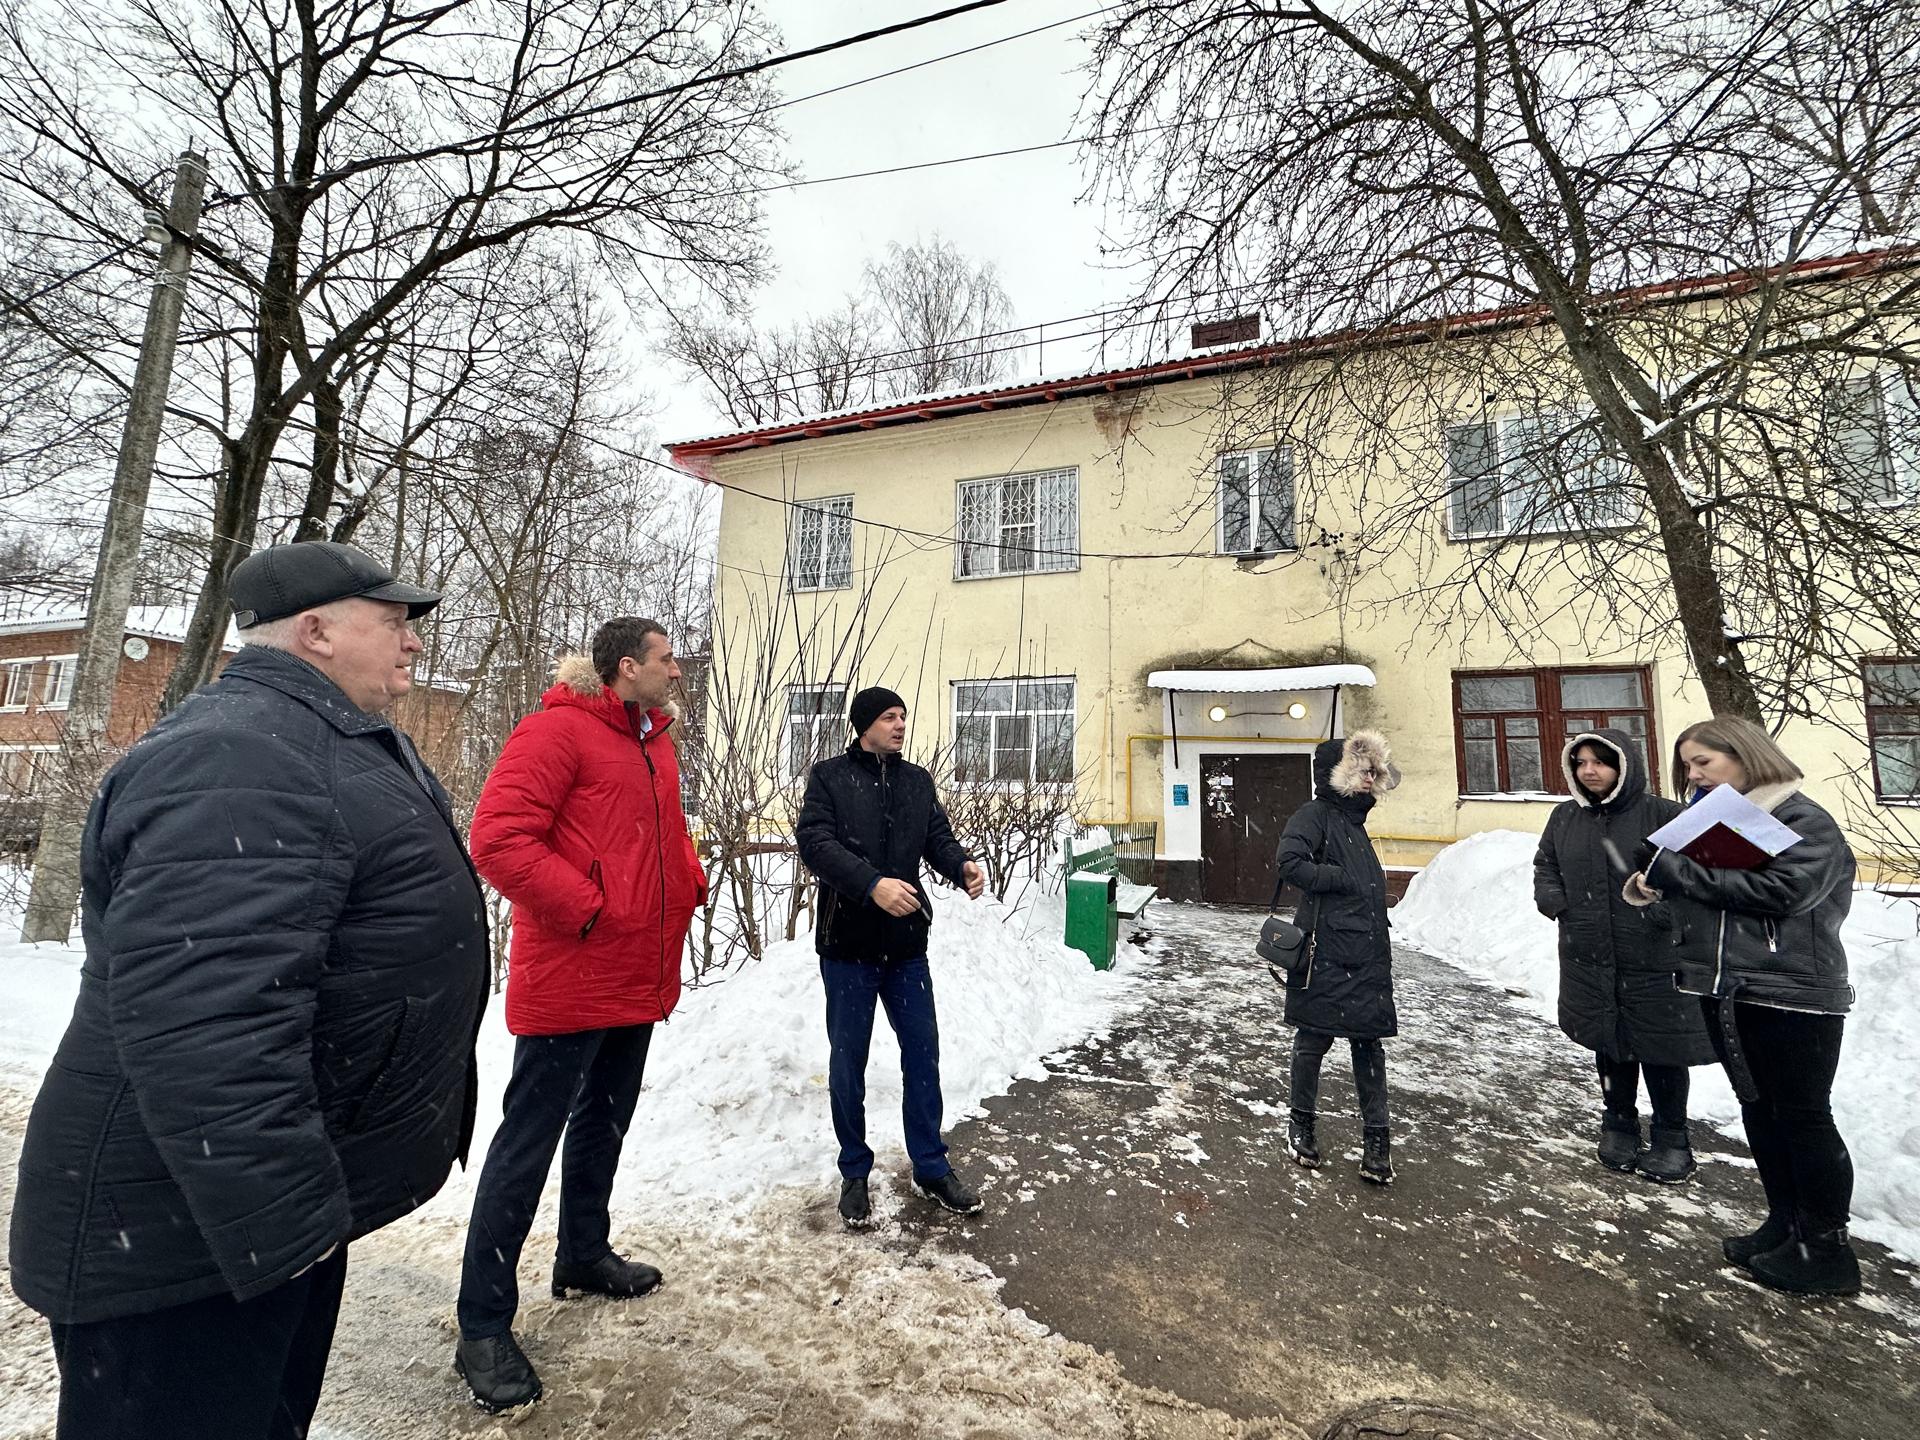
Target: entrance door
column 1247, row 801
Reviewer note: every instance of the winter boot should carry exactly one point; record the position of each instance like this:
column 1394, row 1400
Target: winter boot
column 1300, row 1139
column 1376, row 1156
column 609, row 1275
column 1669, row 1159
column 1740, row 1249
column 1619, row 1141
column 855, row 1212
column 497, row 1371
column 947, row 1192
column 1817, row 1264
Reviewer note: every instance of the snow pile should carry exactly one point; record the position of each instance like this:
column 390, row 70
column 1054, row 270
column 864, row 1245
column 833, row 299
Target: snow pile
column 1473, row 906
column 735, row 1101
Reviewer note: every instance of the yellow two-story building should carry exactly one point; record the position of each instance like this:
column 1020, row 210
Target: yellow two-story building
column 1132, row 582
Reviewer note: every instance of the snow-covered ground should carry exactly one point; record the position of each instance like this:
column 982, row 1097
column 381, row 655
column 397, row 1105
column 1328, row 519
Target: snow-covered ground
column 1473, row 906
column 735, row 1103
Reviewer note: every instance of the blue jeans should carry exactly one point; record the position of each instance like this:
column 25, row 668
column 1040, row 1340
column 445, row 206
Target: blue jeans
column 584, row 1084
column 905, row 987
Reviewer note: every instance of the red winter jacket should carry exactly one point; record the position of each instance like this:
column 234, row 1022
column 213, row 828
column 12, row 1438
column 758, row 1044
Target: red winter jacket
column 580, row 826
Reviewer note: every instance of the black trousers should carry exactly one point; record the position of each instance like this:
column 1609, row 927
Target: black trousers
column 217, row 1369
column 1667, row 1089
column 1369, row 1074
column 1792, row 1056
column 585, row 1085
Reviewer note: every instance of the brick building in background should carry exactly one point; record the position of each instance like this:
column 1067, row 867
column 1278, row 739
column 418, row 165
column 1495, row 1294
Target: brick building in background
column 39, row 649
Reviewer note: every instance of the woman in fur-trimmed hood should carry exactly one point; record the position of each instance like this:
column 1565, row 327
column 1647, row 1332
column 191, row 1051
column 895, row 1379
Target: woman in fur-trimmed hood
column 1617, row 995
column 1346, row 990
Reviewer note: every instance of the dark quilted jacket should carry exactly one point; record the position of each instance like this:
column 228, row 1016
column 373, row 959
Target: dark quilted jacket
column 272, row 1049
column 1617, row 995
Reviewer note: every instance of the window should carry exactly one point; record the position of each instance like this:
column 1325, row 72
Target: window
column 1013, row 732
column 816, row 721
column 1871, row 447
column 1893, row 727
column 1534, row 475
column 45, row 682
column 1255, row 502
column 25, row 770
column 1512, row 724
column 820, row 545
column 1016, row 524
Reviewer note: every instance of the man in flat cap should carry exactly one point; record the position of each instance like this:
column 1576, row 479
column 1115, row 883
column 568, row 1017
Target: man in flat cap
column 869, row 821
column 272, row 1050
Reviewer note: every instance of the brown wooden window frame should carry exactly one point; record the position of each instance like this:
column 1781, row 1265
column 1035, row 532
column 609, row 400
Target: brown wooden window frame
column 1908, row 714
column 1550, row 714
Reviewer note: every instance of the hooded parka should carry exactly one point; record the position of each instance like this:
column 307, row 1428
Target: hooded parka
column 1770, row 935
column 1324, row 852
column 1617, row 995
column 272, row 1049
column 580, row 826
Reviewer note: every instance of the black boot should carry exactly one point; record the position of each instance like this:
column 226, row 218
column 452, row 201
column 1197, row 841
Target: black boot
column 497, row 1371
column 856, row 1213
column 1740, row 1249
column 947, row 1192
column 1376, row 1156
column 1817, row 1264
column 609, row 1275
column 1619, row 1141
column 1300, row 1139
column 1669, row 1159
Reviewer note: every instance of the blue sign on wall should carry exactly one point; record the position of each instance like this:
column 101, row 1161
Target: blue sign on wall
column 1180, row 795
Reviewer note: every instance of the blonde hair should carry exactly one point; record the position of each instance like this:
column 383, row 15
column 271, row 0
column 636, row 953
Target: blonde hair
column 1763, row 761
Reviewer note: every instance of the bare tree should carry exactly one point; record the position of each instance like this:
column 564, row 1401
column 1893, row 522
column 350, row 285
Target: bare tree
column 925, row 319
column 363, row 156
column 1491, row 213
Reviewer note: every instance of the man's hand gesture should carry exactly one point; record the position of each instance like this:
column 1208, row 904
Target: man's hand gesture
column 896, row 897
column 976, row 879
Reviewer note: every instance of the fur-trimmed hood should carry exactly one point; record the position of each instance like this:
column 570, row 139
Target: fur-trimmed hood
column 1339, row 764
column 1632, row 781
column 578, row 684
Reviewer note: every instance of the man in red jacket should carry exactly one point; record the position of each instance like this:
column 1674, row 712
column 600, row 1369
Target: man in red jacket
column 580, row 826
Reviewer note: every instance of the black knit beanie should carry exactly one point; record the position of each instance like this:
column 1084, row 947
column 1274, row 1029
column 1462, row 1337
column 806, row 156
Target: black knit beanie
column 869, row 705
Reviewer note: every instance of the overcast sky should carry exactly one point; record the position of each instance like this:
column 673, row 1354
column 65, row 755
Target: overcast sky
column 1021, row 212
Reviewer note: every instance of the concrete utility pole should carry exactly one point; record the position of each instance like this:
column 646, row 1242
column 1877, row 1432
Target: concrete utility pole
column 56, row 873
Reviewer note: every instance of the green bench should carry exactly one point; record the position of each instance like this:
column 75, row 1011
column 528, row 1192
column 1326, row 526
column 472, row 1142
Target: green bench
column 1098, row 896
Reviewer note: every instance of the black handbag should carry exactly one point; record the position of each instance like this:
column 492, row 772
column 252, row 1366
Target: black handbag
column 1285, row 946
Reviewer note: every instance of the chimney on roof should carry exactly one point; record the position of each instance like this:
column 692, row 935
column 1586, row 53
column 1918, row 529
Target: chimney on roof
column 1237, row 331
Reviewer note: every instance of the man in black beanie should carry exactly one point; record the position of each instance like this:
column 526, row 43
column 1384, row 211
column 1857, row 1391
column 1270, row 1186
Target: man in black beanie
column 868, row 822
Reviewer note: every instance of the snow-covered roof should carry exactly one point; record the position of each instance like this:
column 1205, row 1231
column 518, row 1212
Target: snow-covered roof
column 153, row 622
column 1261, row 682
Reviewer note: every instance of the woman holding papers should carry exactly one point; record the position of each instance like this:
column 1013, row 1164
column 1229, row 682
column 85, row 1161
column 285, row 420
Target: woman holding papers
column 1617, row 996
column 1758, row 896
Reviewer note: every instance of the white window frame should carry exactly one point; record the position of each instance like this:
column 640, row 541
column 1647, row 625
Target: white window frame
column 996, row 540
column 1869, row 440
column 57, row 693
column 16, row 686
column 829, row 521
column 966, row 695
column 7, row 753
column 821, row 724
column 1515, row 454
column 1269, row 469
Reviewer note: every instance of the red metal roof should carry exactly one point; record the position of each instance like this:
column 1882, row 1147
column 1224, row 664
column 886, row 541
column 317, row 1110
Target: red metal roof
column 695, row 456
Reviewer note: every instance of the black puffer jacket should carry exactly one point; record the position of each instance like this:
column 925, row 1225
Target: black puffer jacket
column 1769, row 935
column 862, row 818
column 1325, row 853
column 1616, row 969
column 272, row 1050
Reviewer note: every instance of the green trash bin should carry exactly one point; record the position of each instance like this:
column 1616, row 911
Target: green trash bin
column 1093, row 916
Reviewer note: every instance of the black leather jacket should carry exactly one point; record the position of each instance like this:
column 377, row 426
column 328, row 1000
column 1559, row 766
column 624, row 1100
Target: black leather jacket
column 1769, row 935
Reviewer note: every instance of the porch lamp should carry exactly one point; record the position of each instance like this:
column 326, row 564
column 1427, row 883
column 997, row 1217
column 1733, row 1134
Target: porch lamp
column 1296, row 711
column 1217, row 714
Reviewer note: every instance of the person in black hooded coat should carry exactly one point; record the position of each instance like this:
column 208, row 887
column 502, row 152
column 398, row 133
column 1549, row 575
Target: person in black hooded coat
column 1617, row 996
column 1346, row 990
